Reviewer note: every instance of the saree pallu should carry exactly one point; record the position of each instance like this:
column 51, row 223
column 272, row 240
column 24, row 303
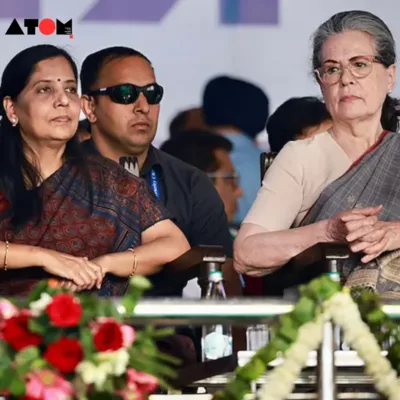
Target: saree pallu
column 372, row 181
column 73, row 222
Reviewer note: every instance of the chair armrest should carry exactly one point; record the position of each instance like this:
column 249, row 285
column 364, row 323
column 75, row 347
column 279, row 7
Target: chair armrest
column 188, row 265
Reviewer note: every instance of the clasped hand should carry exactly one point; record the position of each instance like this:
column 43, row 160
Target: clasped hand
column 361, row 229
column 74, row 273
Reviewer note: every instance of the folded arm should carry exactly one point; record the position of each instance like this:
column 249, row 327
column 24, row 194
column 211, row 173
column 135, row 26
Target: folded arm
column 161, row 244
column 258, row 252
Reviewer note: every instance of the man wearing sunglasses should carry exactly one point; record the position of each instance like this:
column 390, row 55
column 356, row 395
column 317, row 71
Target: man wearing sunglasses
column 121, row 99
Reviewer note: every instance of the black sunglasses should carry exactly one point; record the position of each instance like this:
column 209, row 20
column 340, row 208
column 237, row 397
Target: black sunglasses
column 127, row 93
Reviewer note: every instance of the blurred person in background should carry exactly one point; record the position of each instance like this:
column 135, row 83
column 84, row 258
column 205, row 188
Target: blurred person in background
column 83, row 131
column 238, row 110
column 187, row 120
column 297, row 118
column 210, row 153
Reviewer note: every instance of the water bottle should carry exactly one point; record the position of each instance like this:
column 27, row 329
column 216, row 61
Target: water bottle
column 216, row 339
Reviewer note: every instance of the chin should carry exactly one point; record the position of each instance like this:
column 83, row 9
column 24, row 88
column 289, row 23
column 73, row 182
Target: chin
column 352, row 112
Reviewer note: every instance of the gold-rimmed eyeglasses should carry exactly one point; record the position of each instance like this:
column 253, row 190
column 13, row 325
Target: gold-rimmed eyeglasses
column 359, row 66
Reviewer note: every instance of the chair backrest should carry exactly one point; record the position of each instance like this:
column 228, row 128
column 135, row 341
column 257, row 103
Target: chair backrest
column 266, row 160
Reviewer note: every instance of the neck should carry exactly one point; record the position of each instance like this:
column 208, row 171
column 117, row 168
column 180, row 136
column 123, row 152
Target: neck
column 46, row 159
column 114, row 151
column 356, row 137
column 227, row 130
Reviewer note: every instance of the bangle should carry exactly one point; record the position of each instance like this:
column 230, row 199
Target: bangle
column 135, row 263
column 6, row 256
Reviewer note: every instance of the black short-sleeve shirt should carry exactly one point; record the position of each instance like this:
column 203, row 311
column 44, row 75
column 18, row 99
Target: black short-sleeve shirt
column 194, row 204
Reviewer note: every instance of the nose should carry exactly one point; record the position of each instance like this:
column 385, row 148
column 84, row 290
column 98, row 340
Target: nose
column 61, row 98
column 141, row 104
column 346, row 77
column 239, row 192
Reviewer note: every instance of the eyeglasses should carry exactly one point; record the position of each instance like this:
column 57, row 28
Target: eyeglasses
column 359, row 66
column 234, row 177
column 128, row 93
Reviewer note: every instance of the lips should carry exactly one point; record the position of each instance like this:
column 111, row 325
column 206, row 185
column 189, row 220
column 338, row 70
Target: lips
column 350, row 98
column 141, row 123
column 62, row 118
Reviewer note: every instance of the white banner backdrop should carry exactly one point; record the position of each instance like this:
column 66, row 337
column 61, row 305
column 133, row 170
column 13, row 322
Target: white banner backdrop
column 190, row 43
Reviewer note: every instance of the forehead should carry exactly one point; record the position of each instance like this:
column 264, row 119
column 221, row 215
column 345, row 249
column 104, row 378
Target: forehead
column 135, row 70
column 343, row 46
column 53, row 69
column 224, row 160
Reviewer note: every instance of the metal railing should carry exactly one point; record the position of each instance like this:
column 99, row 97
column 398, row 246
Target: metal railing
column 243, row 311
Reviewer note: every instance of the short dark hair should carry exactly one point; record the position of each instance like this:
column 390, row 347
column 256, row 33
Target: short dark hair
column 197, row 148
column 235, row 102
column 292, row 117
column 93, row 64
column 177, row 124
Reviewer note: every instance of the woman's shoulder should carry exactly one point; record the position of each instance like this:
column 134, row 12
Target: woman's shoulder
column 315, row 148
column 309, row 144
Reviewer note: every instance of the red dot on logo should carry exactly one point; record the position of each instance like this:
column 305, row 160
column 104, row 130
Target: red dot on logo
column 47, row 26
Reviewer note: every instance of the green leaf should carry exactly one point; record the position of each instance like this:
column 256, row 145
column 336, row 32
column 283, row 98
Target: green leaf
column 140, row 282
column 376, row 317
column 87, row 341
column 36, row 326
column 288, row 329
column 5, row 355
column 17, row 386
column 52, row 334
column 162, row 333
column 37, row 290
column 304, row 311
column 129, row 304
column 6, row 376
column 27, row 355
column 39, row 364
column 108, row 386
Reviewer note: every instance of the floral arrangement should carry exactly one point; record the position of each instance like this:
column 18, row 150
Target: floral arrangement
column 58, row 345
column 365, row 327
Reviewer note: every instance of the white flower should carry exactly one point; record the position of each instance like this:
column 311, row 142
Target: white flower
column 117, row 360
column 92, row 373
column 38, row 306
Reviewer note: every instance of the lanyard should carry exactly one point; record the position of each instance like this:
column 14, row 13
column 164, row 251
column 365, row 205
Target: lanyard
column 154, row 183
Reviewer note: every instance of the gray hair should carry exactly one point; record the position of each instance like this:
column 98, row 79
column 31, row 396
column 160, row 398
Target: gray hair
column 385, row 47
column 355, row 21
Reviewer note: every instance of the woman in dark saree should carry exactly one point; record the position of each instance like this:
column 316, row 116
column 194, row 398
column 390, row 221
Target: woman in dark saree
column 83, row 220
column 343, row 185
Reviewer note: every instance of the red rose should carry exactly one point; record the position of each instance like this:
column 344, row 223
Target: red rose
column 108, row 336
column 64, row 311
column 65, row 354
column 17, row 334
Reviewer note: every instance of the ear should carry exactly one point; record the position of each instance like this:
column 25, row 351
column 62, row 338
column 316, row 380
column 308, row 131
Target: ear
column 9, row 107
column 391, row 77
column 89, row 108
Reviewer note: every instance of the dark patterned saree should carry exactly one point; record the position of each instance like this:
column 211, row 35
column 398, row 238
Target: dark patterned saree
column 122, row 207
column 372, row 181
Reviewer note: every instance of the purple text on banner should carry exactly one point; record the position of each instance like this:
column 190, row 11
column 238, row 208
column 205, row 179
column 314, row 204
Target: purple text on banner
column 232, row 12
column 129, row 10
column 19, row 9
column 249, row 12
